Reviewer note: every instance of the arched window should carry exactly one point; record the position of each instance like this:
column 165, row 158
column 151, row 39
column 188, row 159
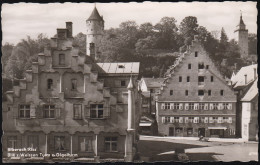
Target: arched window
column 49, row 83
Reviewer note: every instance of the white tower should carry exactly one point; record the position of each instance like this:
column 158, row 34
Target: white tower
column 242, row 38
column 95, row 29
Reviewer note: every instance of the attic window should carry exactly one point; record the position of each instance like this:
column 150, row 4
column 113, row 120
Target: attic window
column 121, row 66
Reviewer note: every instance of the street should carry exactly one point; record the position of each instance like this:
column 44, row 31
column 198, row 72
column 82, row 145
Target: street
column 153, row 149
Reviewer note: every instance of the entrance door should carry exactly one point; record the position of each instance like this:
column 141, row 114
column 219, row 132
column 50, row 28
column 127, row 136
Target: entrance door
column 171, row 131
column 201, row 132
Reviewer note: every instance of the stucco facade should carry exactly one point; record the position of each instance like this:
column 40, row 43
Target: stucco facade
column 69, row 104
column 195, row 99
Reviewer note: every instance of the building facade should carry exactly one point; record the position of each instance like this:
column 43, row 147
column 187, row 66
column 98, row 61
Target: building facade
column 69, row 105
column 195, row 99
column 242, row 38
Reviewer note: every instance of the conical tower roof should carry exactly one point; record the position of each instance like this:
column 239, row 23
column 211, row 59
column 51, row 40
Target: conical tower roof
column 95, row 15
column 241, row 20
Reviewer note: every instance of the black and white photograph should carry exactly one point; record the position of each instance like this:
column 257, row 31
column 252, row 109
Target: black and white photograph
column 136, row 82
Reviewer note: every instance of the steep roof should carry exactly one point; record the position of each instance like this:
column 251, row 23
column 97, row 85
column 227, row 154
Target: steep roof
column 241, row 21
column 239, row 78
column 252, row 92
column 119, row 68
column 95, row 15
column 153, row 82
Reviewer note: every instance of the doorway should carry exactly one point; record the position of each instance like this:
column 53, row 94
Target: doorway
column 171, row 131
column 201, row 132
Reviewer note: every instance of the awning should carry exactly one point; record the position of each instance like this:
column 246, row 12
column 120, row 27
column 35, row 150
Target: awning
column 145, row 124
column 217, row 127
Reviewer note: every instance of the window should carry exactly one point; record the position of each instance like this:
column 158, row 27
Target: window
column 85, row 144
column 209, row 92
column 61, row 59
column 225, row 119
column 201, row 65
column 74, row 84
column 211, row 78
column 225, row 105
column 191, row 119
column 191, row 106
column 201, row 78
column 33, row 141
column 189, row 66
column 171, row 92
column 186, row 92
column 77, row 111
column 111, row 144
column 49, row 84
column 123, row 84
column 96, row 111
column 189, row 131
column 176, row 119
column 167, row 119
column 201, row 92
column 180, row 79
column 121, row 66
column 24, row 111
column 49, row 111
column 12, row 142
column 92, row 48
column 215, row 119
column 196, row 54
column 201, row 106
column 167, row 106
column 188, row 78
column 207, row 66
column 151, row 90
column 221, row 92
column 176, row 106
column 215, row 106
column 59, row 142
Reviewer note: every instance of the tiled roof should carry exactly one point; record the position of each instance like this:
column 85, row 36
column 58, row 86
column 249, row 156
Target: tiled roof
column 153, row 82
column 95, row 15
column 239, row 78
column 119, row 68
column 146, row 94
column 252, row 92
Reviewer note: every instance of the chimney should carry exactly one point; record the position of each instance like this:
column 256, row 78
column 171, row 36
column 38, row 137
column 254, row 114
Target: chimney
column 254, row 73
column 69, row 28
column 235, row 67
column 245, row 79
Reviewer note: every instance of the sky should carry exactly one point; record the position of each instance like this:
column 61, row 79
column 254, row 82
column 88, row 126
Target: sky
column 22, row 19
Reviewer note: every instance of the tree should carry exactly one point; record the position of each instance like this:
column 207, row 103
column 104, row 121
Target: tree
column 80, row 41
column 188, row 28
column 146, row 29
column 128, row 33
column 167, row 33
column 252, row 43
column 7, row 49
column 223, row 44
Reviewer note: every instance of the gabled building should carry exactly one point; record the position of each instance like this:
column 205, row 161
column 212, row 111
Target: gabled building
column 69, row 105
column 195, row 99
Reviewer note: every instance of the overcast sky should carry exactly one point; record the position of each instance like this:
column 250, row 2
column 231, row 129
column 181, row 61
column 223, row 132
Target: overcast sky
column 22, row 19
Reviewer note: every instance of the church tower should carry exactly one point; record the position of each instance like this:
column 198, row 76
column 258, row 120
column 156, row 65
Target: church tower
column 95, row 29
column 242, row 38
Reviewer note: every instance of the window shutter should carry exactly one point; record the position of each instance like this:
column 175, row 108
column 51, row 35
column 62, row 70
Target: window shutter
column 211, row 120
column 15, row 112
column 229, row 119
column 87, row 111
column 32, row 111
column 57, row 113
column 206, row 120
column 210, row 106
column 163, row 119
column 196, row 106
column 186, row 120
column 181, row 106
column 162, row 105
column 206, row 106
column 196, row 119
column 229, row 106
column 220, row 106
column 172, row 120
column 171, row 105
column 39, row 111
column 181, row 120
column 186, row 106
column 106, row 112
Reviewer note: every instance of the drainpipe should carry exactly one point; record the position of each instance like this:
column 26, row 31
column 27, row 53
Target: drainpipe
column 245, row 79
